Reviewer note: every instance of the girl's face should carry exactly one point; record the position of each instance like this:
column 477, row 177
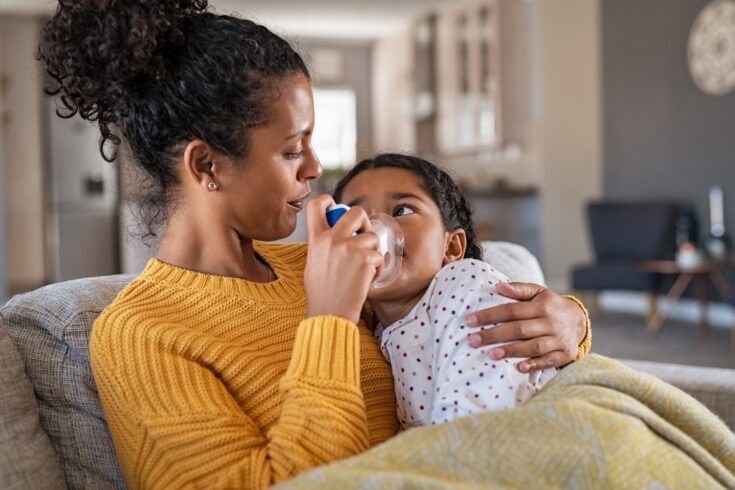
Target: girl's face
column 398, row 192
column 265, row 191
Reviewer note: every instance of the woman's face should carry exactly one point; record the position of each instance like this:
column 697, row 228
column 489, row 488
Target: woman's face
column 266, row 190
column 398, row 192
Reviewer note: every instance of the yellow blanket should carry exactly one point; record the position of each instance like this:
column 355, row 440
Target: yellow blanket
column 598, row 424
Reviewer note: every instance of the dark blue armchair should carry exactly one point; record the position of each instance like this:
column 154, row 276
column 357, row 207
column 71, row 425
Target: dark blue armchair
column 623, row 233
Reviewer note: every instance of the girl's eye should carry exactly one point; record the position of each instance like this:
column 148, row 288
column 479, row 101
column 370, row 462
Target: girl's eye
column 403, row 210
column 294, row 156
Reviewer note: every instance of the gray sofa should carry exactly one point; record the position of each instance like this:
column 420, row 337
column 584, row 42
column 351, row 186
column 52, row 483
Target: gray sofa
column 52, row 428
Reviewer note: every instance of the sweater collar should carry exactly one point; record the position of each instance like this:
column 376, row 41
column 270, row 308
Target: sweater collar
column 286, row 260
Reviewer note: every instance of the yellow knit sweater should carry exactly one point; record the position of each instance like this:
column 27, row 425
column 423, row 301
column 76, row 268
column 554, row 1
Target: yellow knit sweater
column 218, row 382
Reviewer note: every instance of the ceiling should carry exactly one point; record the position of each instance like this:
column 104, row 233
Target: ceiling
column 360, row 19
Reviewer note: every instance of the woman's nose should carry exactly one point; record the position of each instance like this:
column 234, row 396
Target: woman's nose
column 311, row 168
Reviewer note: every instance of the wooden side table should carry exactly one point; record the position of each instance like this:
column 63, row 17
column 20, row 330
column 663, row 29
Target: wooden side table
column 701, row 275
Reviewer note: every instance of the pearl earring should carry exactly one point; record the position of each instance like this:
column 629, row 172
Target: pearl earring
column 212, row 186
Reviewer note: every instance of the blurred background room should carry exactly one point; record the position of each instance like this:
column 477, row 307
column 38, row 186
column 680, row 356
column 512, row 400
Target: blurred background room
column 599, row 134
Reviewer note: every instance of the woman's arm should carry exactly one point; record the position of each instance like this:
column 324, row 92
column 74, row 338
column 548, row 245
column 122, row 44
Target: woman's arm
column 177, row 425
column 549, row 329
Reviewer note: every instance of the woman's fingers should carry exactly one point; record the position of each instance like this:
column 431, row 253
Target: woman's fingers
column 552, row 359
column 521, row 291
column 542, row 350
column 353, row 221
column 509, row 332
column 369, row 243
column 504, row 313
column 537, row 352
column 316, row 214
column 368, row 240
column 532, row 348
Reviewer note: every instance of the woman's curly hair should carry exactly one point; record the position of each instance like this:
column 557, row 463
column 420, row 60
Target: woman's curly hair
column 455, row 210
column 157, row 74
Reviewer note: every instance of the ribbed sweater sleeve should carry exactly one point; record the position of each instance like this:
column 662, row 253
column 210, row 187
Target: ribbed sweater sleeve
column 323, row 414
column 185, row 430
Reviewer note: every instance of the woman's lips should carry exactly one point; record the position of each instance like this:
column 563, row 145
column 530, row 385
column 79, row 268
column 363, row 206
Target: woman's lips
column 299, row 203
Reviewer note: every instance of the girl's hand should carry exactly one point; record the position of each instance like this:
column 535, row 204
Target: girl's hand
column 339, row 265
column 545, row 327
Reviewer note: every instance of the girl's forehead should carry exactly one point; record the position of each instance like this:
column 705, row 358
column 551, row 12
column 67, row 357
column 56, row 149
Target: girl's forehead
column 385, row 180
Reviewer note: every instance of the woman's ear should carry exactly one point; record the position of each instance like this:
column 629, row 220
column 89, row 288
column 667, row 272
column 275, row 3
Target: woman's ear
column 455, row 246
column 200, row 167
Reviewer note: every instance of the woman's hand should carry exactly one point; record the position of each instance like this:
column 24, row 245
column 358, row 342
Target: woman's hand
column 340, row 265
column 543, row 326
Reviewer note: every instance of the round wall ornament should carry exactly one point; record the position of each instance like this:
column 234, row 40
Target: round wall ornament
column 711, row 48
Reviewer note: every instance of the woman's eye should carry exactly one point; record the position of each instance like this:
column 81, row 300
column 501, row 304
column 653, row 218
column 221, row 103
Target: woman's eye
column 294, row 156
column 403, row 211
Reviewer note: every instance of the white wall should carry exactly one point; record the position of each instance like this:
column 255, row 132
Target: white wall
column 22, row 186
column 571, row 130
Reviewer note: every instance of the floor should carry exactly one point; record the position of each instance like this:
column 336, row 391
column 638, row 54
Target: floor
column 623, row 335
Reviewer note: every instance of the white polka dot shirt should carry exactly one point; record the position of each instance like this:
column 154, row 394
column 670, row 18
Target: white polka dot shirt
column 438, row 375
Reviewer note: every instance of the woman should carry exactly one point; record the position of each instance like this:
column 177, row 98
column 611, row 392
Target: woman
column 231, row 362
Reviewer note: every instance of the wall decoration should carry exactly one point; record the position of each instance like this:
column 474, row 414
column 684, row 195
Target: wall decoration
column 711, row 49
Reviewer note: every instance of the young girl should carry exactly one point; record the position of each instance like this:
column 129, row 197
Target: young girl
column 438, row 373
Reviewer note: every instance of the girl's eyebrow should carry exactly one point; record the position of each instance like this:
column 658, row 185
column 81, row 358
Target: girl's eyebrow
column 397, row 196
column 393, row 196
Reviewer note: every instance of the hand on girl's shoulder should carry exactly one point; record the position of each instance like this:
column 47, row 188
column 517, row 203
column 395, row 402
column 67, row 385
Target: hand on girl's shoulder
column 465, row 276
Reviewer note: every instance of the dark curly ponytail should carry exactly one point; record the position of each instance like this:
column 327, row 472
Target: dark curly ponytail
column 158, row 74
column 455, row 210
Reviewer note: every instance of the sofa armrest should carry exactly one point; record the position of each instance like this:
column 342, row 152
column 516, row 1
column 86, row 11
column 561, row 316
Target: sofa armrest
column 713, row 387
column 50, row 328
column 27, row 459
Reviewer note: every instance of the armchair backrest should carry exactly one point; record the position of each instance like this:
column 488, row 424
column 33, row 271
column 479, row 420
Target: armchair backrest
column 632, row 231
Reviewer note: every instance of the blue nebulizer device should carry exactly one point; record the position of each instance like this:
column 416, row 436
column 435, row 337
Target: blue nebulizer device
column 390, row 243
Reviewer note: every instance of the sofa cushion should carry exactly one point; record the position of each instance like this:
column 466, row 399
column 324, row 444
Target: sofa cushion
column 26, row 457
column 50, row 328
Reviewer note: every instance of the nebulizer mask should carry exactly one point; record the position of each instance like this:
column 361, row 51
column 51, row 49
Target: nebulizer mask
column 390, row 245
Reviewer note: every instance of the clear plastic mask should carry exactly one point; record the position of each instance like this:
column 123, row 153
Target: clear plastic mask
column 390, row 245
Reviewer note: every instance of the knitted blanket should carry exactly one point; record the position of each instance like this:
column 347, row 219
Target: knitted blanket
column 597, row 424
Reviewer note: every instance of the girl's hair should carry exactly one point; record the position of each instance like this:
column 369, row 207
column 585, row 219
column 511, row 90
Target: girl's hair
column 157, row 74
column 455, row 210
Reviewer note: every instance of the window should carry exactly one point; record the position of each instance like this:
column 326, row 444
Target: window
column 335, row 133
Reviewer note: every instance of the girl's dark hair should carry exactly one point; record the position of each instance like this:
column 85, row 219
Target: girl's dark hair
column 455, row 210
column 157, row 74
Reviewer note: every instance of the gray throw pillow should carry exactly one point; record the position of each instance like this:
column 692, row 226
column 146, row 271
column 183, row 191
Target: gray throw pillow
column 50, row 328
column 26, row 457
